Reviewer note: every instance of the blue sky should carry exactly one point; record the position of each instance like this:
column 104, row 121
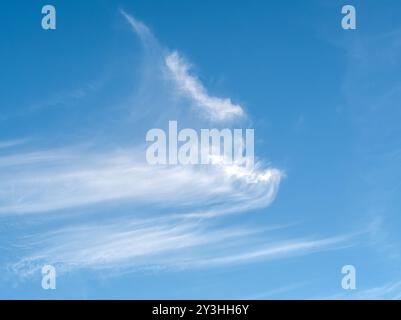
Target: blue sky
column 75, row 192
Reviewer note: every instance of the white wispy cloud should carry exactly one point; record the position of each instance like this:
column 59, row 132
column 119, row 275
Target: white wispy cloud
column 277, row 292
column 187, row 84
column 35, row 157
column 140, row 28
column 12, row 143
column 56, row 179
column 216, row 108
column 161, row 243
column 50, row 180
column 388, row 291
column 287, row 248
column 179, row 198
column 138, row 243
